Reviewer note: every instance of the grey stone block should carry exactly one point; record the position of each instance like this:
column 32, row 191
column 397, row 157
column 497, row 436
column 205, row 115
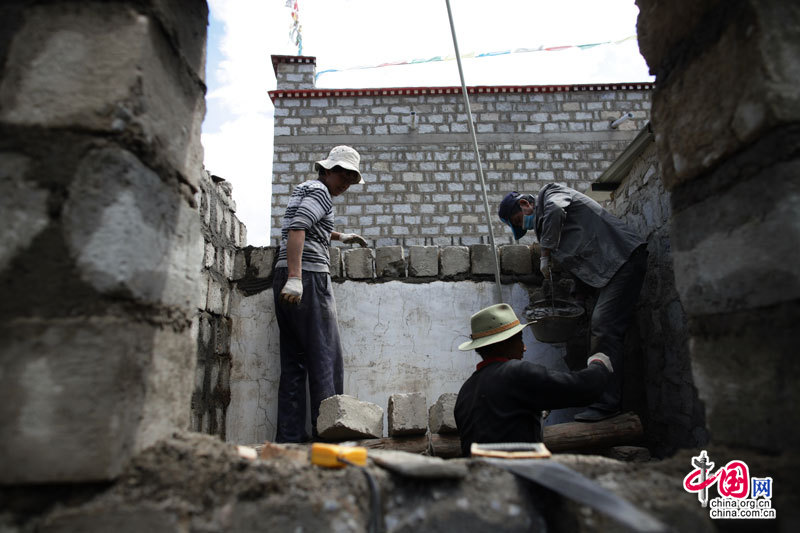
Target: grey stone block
column 239, row 264
column 23, row 204
column 423, row 261
column 407, row 414
column 99, row 389
column 131, row 81
column 390, row 262
column 262, row 261
column 343, row 417
column 441, row 417
column 515, row 259
column 336, row 262
column 131, row 233
column 358, row 263
column 454, row 260
column 482, row 259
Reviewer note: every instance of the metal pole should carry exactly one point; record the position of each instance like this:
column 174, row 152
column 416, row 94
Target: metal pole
column 477, row 157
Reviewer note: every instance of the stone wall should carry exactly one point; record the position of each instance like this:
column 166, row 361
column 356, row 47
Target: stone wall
column 422, row 184
column 224, row 236
column 726, row 116
column 658, row 373
column 402, row 314
column 100, row 156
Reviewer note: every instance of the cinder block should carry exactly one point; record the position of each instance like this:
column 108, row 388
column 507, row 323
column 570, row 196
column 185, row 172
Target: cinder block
column 454, row 260
column 262, row 261
column 390, row 262
column 515, row 259
column 423, row 261
column 103, row 388
column 359, row 262
column 482, row 259
column 407, row 414
column 239, row 264
column 441, row 417
column 123, row 243
column 129, row 82
column 343, row 417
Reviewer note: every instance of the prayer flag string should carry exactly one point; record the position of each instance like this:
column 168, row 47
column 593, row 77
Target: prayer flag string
column 472, row 55
column 295, row 30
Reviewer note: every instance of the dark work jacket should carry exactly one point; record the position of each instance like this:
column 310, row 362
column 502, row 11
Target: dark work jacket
column 584, row 238
column 503, row 401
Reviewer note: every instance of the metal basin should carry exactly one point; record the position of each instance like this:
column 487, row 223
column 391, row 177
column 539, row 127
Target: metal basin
column 554, row 320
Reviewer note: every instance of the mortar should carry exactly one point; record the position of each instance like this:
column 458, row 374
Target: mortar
column 554, row 320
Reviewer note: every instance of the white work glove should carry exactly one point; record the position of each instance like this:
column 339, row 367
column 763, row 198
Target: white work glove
column 352, row 238
column 544, row 266
column 603, row 358
column 292, row 291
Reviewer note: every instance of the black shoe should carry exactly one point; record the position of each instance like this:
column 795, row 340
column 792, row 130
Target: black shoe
column 595, row 414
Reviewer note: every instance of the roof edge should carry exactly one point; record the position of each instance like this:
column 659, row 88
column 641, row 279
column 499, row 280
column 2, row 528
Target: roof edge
column 610, row 179
column 477, row 89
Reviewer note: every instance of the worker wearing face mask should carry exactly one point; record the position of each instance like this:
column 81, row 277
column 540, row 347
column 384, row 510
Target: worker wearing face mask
column 598, row 249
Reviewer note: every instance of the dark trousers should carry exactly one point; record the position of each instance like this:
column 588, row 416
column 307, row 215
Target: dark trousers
column 616, row 303
column 310, row 348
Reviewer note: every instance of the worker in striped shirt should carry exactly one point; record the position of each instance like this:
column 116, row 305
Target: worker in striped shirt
column 304, row 304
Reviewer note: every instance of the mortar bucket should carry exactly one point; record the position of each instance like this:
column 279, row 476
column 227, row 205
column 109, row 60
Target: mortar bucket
column 554, row 320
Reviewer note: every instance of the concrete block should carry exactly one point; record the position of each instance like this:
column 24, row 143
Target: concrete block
column 343, row 417
column 423, row 261
column 336, row 261
column 216, row 301
column 482, row 259
column 390, row 262
column 359, row 262
column 454, row 260
column 407, row 414
column 515, row 259
column 130, row 233
column 441, row 416
column 23, row 204
column 239, row 264
column 757, row 241
column 99, row 389
column 128, row 82
column 262, row 261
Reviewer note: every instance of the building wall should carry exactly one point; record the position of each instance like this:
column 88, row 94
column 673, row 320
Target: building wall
column 422, row 181
column 400, row 327
column 659, row 383
column 732, row 170
column 100, row 111
column 224, row 236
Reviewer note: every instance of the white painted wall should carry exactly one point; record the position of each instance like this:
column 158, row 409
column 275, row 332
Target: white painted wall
column 397, row 337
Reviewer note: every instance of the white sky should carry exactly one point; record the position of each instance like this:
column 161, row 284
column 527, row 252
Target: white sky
column 342, row 34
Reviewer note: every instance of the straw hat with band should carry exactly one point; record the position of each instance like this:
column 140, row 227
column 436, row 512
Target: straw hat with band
column 492, row 325
column 342, row 156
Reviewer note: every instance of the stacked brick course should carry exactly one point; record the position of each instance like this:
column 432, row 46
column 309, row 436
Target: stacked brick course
column 422, row 183
column 224, row 236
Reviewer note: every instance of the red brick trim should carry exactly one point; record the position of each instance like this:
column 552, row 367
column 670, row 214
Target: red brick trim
column 481, row 89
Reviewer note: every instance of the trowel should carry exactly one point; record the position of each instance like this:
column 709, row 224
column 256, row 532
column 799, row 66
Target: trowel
column 531, row 461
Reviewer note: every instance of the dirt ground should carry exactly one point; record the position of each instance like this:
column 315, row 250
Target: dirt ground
column 196, row 483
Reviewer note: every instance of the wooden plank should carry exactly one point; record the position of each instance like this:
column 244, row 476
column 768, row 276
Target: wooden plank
column 403, row 444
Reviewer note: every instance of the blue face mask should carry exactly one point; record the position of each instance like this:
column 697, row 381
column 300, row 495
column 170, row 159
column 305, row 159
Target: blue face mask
column 528, row 221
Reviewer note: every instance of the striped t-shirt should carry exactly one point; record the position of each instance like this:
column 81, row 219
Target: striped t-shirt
column 311, row 209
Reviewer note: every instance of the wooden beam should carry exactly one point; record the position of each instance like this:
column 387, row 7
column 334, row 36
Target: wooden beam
column 621, row 430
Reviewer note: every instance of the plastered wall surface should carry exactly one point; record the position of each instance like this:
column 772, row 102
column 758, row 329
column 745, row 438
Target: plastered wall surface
column 397, row 337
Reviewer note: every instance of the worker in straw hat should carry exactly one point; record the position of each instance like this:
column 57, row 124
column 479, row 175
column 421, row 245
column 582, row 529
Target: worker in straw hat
column 504, row 398
column 304, row 304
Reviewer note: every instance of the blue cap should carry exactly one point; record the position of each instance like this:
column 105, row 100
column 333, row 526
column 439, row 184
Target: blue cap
column 508, row 207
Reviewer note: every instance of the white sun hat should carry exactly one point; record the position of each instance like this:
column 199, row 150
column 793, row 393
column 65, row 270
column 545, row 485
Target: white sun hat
column 343, row 156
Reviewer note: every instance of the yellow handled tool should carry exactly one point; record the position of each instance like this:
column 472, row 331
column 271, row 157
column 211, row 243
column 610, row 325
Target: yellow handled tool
column 335, row 456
